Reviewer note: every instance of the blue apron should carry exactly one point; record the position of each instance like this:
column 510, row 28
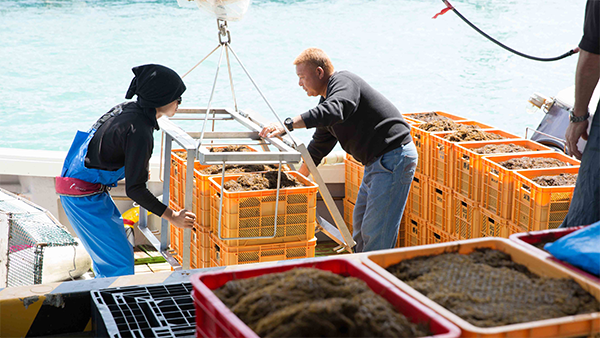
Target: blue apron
column 96, row 219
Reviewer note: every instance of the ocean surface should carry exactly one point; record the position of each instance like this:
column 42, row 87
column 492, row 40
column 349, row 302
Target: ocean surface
column 63, row 63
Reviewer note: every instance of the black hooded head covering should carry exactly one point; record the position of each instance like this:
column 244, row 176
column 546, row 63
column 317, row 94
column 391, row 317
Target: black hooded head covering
column 155, row 86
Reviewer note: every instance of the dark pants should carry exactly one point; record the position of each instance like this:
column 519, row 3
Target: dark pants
column 585, row 205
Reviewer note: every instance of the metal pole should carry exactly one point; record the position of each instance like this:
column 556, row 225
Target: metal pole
column 212, row 92
column 260, row 92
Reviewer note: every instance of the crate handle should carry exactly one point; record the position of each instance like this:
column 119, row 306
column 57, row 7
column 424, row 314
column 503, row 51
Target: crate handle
column 526, row 187
column 221, row 207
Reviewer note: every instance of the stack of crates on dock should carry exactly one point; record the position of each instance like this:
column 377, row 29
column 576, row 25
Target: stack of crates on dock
column 244, row 214
column 459, row 193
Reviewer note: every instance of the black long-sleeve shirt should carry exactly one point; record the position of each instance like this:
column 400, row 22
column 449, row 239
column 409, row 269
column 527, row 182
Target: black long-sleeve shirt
column 127, row 140
column 366, row 124
column 590, row 41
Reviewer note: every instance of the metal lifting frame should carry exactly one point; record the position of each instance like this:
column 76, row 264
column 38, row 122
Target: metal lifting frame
column 289, row 152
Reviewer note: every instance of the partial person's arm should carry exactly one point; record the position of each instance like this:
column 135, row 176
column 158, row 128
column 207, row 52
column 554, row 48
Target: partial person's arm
column 138, row 150
column 586, row 79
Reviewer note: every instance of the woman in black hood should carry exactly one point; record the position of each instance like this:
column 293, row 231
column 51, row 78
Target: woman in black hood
column 119, row 145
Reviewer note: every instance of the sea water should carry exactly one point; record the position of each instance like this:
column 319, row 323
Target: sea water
column 63, row 63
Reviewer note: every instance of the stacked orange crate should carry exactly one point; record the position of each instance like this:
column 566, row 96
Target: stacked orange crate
column 434, row 235
column 440, row 207
column 491, row 225
column 539, row 207
column 354, row 172
column 441, row 153
column 498, row 182
column 420, row 137
column 222, row 255
column 414, row 230
column 465, row 218
column 252, row 214
column 416, row 203
column 467, row 164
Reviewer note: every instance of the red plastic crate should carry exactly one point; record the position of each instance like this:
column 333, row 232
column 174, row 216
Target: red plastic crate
column 440, row 207
column 529, row 239
column 214, row 319
column 416, row 202
column 442, row 157
column 467, row 164
column 497, row 182
column 466, row 217
column 537, row 207
column 354, row 172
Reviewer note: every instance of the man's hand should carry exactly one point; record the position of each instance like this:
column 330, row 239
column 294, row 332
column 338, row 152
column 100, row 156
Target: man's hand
column 572, row 135
column 272, row 130
column 180, row 219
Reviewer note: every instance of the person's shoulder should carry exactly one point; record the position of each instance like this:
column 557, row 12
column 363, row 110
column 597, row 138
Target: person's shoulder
column 344, row 76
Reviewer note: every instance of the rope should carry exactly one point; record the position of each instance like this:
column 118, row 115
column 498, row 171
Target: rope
column 450, row 7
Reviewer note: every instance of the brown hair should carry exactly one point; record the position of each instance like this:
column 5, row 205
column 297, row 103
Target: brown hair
column 317, row 57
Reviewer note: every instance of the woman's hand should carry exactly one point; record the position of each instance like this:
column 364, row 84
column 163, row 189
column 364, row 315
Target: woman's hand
column 180, row 219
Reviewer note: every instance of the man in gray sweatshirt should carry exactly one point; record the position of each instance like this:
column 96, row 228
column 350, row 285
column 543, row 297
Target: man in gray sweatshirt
column 371, row 129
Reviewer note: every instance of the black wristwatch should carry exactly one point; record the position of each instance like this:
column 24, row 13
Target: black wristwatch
column 575, row 119
column 289, row 123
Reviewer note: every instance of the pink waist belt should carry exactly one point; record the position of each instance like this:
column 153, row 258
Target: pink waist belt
column 68, row 186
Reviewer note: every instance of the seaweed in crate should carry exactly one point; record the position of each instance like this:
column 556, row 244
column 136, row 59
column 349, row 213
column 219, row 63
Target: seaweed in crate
column 261, row 181
column 501, row 149
column 238, row 168
column 486, row 288
column 466, row 133
column 439, row 125
column 533, row 163
column 428, row 117
column 556, row 180
column 308, row 302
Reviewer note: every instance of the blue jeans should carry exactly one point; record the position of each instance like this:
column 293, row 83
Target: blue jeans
column 382, row 198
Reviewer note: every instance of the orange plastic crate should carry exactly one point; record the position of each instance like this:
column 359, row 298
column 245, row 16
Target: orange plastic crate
column 440, row 206
column 416, row 203
column 497, row 182
column 252, row 213
column 491, row 225
column 433, row 235
column 583, row 325
column 420, row 138
column 354, row 175
column 415, row 229
column 539, row 207
column 441, row 153
column 400, row 240
column 223, row 255
column 201, row 186
column 466, row 217
column 467, row 164
column 176, row 189
column 348, row 212
column 415, row 116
